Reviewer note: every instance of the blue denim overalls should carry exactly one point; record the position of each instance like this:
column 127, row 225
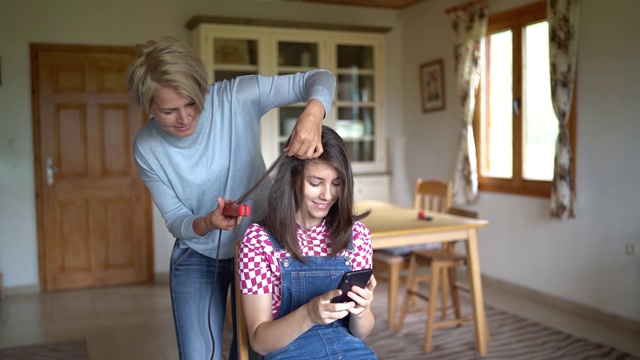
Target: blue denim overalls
column 302, row 282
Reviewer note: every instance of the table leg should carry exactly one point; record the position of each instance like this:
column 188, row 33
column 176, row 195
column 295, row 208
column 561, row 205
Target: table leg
column 475, row 283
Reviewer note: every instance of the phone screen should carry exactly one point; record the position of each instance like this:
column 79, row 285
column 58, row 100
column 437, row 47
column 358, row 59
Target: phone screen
column 359, row 278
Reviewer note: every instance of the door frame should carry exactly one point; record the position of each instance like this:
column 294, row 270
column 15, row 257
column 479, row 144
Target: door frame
column 40, row 176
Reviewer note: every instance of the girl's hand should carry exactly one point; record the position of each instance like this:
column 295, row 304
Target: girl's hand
column 362, row 297
column 321, row 311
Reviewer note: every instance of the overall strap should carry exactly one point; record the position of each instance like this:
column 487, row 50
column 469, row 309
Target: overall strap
column 277, row 246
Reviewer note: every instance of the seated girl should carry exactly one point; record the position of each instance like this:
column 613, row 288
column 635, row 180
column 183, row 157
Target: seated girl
column 291, row 262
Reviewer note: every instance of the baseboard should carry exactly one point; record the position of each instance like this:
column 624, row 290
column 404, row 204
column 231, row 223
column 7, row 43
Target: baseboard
column 161, row 278
column 21, row 290
column 577, row 309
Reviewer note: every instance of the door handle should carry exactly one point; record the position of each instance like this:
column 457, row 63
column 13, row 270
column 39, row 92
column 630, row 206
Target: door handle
column 516, row 106
column 51, row 170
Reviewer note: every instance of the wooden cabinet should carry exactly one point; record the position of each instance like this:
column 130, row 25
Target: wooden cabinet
column 233, row 47
column 371, row 187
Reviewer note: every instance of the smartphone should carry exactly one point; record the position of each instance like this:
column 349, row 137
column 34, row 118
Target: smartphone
column 359, row 278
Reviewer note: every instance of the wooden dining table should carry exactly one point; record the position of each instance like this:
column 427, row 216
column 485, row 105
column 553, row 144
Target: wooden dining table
column 393, row 225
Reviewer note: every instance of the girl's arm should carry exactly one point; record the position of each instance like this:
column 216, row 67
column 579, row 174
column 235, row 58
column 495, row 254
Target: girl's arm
column 267, row 335
column 362, row 320
column 256, row 265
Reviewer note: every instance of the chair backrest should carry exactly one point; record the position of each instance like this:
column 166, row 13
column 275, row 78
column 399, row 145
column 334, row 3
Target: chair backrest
column 459, row 212
column 432, row 195
column 463, row 212
column 242, row 336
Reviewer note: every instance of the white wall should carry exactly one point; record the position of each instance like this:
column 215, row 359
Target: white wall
column 581, row 260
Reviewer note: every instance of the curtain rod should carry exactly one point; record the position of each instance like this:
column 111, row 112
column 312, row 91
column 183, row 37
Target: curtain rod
column 464, row 6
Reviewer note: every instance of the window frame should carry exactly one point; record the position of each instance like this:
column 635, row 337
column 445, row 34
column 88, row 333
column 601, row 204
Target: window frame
column 515, row 20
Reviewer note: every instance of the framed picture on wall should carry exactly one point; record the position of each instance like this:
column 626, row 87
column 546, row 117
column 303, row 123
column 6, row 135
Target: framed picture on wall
column 432, row 86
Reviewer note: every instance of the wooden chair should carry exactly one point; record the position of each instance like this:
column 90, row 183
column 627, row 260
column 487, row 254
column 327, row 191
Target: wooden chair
column 441, row 262
column 431, row 195
column 241, row 326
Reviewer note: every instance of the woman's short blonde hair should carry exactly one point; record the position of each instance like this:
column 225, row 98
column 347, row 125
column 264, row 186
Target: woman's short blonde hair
column 166, row 62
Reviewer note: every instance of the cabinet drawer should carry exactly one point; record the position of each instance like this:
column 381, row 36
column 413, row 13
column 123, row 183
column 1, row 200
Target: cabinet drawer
column 371, row 187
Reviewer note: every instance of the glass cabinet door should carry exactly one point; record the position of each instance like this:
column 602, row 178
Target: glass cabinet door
column 355, row 100
column 293, row 57
column 296, row 56
column 234, row 57
column 355, row 58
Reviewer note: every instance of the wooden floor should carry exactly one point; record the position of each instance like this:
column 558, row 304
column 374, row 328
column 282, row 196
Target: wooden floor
column 513, row 336
column 135, row 322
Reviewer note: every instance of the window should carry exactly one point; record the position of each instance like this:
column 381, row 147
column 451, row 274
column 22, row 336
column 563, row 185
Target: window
column 515, row 125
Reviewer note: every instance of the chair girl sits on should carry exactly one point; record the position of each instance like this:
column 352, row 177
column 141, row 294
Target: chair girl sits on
column 291, row 261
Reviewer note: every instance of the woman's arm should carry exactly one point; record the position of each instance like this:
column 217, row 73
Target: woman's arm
column 179, row 219
column 316, row 88
column 306, row 141
column 215, row 220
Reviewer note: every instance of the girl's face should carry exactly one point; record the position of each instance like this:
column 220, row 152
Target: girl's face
column 321, row 191
column 174, row 112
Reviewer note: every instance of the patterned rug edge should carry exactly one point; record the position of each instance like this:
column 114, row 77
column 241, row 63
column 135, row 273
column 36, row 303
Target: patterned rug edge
column 75, row 349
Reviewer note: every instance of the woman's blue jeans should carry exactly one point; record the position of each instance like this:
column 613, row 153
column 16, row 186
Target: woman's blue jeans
column 198, row 312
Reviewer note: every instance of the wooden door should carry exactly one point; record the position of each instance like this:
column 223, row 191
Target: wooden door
column 94, row 215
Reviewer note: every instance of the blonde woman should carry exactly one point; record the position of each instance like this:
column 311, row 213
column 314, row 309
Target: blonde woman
column 201, row 146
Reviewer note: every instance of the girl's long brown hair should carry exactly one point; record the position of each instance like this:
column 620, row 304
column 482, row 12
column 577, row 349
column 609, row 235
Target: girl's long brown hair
column 285, row 198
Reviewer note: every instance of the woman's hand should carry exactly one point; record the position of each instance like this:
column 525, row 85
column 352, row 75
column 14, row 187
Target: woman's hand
column 306, row 136
column 216, row 220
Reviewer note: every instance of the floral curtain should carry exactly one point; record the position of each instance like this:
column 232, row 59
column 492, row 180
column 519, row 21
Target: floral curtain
column 563, row 47
column 469, row 26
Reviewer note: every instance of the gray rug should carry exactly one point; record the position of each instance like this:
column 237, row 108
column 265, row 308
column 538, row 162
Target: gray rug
column 62, row 350
column 512, row 338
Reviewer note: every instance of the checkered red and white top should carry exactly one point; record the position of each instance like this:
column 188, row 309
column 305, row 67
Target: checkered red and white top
column 259, row 268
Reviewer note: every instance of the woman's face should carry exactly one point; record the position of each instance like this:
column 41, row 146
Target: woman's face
column 174, row 112
column 321, row 191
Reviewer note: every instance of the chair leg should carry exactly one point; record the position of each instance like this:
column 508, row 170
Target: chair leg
column 455, row 297
column 444, row 293
column 436, row 274
column 445, row 281
column 394, row 275
column 410, row 286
